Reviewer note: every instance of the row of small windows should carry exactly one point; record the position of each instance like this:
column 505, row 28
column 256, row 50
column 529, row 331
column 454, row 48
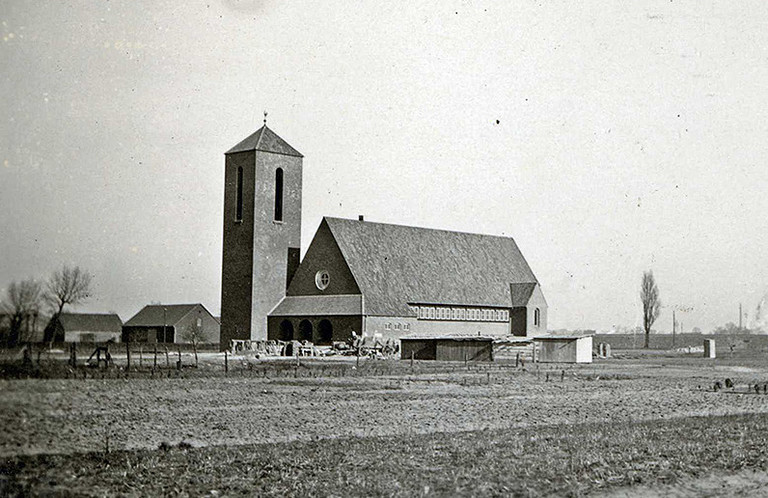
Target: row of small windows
column 278, row 195
column 397, row 326
column 466, row 314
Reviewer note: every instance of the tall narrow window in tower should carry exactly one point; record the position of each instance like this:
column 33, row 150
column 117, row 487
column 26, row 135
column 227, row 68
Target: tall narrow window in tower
column 239, row 201
column 279, row 194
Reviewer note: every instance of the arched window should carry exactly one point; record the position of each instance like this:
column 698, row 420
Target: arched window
column 286, row 330
column 537, row 317
column 325, row 330
column 305, row 331
column 239, row 199
column 279, row 194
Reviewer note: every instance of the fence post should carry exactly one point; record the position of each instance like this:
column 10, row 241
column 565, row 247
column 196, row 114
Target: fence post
column 194, row 348
column 154, row 363
column 167, row 358
column 128, row 357
column 141, row 359
column 178, row 364
column 226, row 362
column 411, row 359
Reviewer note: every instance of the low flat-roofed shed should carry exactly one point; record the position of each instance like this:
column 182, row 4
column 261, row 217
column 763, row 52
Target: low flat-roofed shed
column 447, row 348
column 564, row 348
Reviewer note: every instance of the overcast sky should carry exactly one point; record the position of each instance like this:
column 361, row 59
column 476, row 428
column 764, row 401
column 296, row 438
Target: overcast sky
column 607, row 138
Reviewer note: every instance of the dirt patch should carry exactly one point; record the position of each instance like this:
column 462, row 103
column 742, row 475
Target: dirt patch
column 746, row 483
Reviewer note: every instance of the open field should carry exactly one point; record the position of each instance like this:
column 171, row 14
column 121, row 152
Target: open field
column 725, row 342
column 332, row 427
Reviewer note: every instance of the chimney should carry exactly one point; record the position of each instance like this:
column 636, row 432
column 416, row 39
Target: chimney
column 360, row 218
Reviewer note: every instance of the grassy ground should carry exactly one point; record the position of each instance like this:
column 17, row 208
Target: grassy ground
column 554, row 460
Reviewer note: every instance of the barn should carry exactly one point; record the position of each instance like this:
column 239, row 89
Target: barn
column 389, row 281
column 564, row 348
column 172, row 323
column 84, row 327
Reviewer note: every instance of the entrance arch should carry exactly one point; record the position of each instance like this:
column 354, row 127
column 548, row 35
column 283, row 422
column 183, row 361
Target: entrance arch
column 325, row 330
column 286, row 330
column 305, row 330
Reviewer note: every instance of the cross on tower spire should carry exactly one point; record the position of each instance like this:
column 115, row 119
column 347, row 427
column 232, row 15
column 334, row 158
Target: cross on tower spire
column 265, row 117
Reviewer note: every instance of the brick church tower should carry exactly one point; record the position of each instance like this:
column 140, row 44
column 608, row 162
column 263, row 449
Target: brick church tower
column 262, row 232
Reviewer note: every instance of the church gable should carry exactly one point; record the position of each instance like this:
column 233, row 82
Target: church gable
column 323, row 255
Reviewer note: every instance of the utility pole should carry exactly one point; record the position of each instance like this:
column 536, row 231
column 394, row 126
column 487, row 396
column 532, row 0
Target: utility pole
column 740, row 315
column 674, row 328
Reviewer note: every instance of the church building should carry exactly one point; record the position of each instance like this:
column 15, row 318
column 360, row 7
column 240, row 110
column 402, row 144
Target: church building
column 379, row 280
column 389, row 281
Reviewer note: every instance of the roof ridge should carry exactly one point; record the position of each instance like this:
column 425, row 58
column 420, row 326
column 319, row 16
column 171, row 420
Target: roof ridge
column 261, row 136
column 415, row 227
column 170, row 304
column 85, row 313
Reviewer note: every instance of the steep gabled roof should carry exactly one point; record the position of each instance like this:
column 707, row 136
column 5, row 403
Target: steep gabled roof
column 395, row 265
column 91, row 322
column 265, row 140
column 521, row 293
column 155, row 315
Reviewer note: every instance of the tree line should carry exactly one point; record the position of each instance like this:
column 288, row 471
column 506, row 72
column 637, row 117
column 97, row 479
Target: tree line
column 27, row 300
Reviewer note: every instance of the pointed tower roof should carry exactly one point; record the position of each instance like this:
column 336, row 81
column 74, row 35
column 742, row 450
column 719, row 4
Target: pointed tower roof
column 265, row 140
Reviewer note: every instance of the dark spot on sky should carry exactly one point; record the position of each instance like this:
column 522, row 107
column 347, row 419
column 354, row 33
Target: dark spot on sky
column 497, row 121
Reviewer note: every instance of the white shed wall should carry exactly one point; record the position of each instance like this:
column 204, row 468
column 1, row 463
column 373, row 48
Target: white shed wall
column 584, row 350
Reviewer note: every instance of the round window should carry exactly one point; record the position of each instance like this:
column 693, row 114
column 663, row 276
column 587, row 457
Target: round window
column 322, row 279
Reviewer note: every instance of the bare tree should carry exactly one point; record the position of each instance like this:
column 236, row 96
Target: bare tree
column 22, row 306
column 67, row 286
column 649, row 295
column 195, row 334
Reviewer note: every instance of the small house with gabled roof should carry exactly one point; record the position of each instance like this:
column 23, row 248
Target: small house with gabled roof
column 390, row 281
column 84, row 327
column 172, row 323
